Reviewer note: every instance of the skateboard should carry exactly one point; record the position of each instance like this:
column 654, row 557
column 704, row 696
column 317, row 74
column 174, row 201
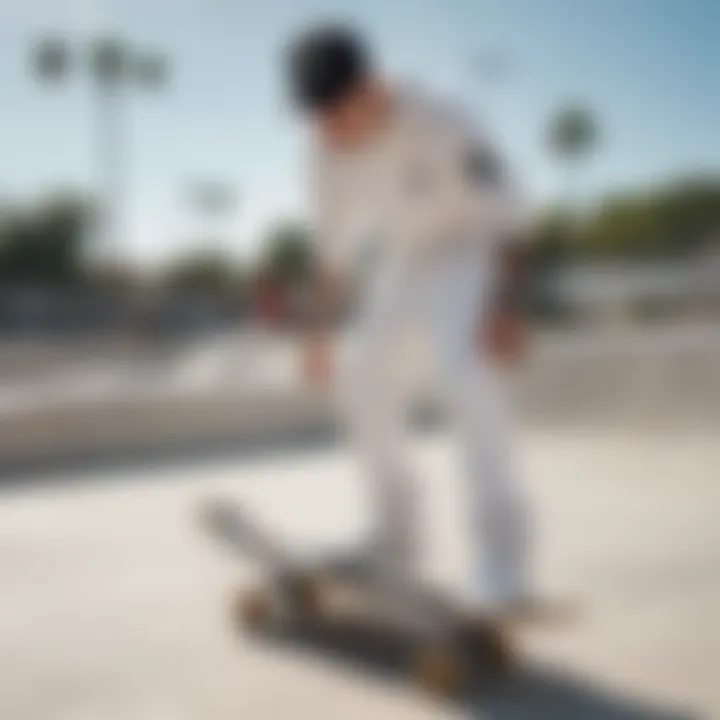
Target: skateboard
column 443, row 648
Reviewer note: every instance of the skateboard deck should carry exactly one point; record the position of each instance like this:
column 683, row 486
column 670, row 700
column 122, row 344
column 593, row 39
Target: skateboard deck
column 444, row 646
column 344, row 575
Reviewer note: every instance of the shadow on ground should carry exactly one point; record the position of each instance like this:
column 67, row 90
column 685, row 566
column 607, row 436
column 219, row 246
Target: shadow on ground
column 531, row 693
column 543, row 693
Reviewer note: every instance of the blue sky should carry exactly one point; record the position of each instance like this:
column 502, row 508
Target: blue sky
column 648, row 67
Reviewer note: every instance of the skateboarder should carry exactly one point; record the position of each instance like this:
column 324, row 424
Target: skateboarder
column 416, row 209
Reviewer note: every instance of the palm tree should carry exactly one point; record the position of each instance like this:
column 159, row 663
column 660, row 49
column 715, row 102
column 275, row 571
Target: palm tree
column 288, row 253
column 572, row 135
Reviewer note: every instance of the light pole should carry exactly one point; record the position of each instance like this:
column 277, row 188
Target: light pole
column 113, row 67
column 572, row 134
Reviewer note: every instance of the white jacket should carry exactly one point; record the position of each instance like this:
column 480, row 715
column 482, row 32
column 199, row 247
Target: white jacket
column 430, row 179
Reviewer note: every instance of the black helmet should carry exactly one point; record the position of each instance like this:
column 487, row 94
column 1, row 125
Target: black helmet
column 325, row 65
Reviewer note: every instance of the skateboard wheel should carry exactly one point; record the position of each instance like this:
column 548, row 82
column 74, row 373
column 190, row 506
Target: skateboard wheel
column 501, row 655
column 440, row 671
column 253, row 610
column 492, row 650
column 307, row 597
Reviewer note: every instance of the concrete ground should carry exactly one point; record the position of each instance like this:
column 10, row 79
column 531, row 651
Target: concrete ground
column 113, row 606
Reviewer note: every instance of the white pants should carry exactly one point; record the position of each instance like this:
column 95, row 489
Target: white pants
column 443, row 298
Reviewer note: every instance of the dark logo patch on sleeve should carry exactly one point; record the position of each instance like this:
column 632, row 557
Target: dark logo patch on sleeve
column 483, row 167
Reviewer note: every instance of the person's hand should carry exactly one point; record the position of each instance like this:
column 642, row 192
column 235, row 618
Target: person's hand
column 504, row 338
column 317, row 360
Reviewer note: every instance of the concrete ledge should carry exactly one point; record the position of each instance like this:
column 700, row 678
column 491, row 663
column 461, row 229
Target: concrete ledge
column 143, row 424
column 658, row 384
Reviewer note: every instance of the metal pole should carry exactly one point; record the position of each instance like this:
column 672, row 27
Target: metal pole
column 109, row 168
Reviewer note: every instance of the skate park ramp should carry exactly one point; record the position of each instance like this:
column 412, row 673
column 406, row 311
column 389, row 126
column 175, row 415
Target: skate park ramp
column 244, row 388
column 115, row 606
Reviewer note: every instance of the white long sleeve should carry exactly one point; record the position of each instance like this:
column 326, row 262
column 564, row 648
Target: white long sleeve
column 428, row 179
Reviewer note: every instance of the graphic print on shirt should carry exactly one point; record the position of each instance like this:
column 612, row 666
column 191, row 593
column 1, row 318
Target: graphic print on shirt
column 483, row 167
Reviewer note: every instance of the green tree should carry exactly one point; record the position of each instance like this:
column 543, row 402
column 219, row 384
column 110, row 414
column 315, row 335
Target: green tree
column 671, row 221
column 572, row 133
column 551, row 245
column 287, row 253
column 46, row 243
column 204, row 271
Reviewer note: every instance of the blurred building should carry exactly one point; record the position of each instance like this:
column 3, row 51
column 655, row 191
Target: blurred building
column 73, row 312
column 624, row 292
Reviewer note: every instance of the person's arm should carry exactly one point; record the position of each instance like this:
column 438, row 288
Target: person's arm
column 507, row 324
column 327, row 289
column 478, row 191
column 504, row 327
column 327, row 294
column 488, row 196
column 513, row 274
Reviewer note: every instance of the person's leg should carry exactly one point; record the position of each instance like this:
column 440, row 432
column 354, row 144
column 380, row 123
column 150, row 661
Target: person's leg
column 372, row 399
column 498, row 509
